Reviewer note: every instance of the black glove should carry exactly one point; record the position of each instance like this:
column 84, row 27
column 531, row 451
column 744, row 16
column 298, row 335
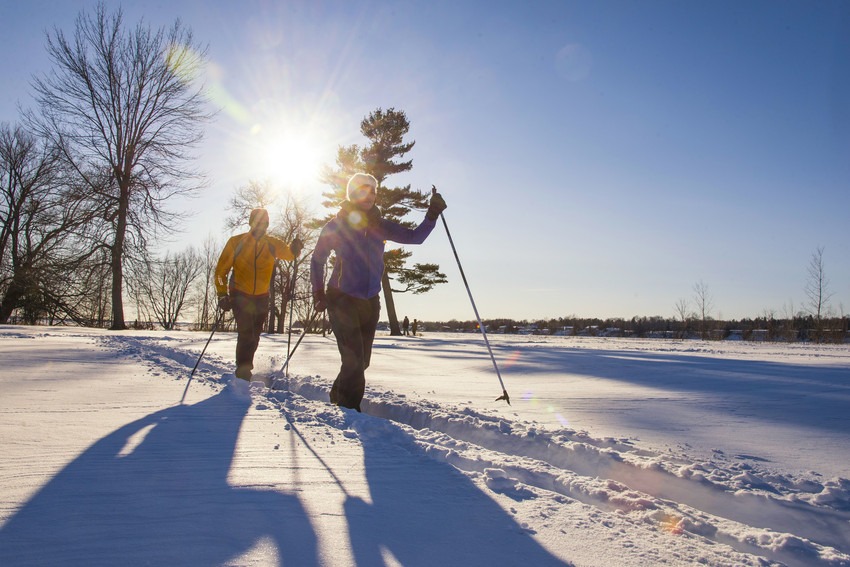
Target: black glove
column 296, row 246
column 320, row 303
column 437, row 206
column 225, row 303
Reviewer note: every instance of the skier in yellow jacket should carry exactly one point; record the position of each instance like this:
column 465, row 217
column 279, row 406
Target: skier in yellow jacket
column 242, row 279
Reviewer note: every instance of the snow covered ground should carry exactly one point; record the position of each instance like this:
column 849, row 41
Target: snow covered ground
column 614, row 452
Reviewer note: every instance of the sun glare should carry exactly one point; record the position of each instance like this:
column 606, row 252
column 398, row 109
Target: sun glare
column 291, row 161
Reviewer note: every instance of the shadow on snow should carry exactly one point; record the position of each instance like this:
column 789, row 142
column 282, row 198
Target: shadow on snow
column 155, row 492
column 425, row 512
column 806, row 394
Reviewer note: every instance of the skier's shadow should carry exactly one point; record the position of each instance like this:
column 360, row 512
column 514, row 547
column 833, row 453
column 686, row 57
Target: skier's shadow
column 424, row 512
column 155, row 492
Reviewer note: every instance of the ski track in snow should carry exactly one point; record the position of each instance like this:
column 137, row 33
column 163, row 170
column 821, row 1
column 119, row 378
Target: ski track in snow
column 765, row 517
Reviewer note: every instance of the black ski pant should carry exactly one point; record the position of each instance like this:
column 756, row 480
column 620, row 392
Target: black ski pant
column 354, row 322
column 250, row 312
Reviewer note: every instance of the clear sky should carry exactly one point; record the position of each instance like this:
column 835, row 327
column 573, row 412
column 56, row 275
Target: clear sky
column 598, row 158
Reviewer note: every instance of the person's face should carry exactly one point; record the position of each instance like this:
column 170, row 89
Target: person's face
column 260, row 228
column 364, row 196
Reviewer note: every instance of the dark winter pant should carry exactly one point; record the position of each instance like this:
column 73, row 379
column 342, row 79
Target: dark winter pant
column 354, row 322
column 250, row 312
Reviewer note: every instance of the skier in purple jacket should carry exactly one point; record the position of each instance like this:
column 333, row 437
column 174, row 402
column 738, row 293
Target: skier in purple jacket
column 357, row 235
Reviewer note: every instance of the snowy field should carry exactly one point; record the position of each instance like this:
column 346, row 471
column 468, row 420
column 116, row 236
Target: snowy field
column 614, row 452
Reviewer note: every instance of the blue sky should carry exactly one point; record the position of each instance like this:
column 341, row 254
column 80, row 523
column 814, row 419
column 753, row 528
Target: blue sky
column 598, row 158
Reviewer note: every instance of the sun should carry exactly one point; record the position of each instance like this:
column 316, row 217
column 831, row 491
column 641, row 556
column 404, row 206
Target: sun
column 292, row 161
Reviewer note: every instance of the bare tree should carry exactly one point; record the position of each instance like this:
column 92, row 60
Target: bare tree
column 704, row 303
column 817, row 290
column 205, row 294
column 90, row 284
column 40, row 223
column 256, row 194
column 120, row 104
column 681, row 308
column 163, row 285
column 291, row 286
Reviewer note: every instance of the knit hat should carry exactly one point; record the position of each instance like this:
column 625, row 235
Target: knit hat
column 358, row 180
column 258, row 216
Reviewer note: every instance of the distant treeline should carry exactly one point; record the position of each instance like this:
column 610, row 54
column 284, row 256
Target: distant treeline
column 798, row 329
column 801, row 328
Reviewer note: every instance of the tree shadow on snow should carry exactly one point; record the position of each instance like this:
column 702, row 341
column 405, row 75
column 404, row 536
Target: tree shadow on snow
column 424, row 512
column 155, row 492
column 811, row 395
column 808, row 395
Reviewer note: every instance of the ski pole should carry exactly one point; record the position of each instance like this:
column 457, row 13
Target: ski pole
column 215, row 326
column 291, row 309
column 504, row 395
column 285, row 367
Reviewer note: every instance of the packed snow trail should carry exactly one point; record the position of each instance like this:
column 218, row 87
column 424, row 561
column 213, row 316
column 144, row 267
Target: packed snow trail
column 410, row 481
column 616, row 479
column 774, row 518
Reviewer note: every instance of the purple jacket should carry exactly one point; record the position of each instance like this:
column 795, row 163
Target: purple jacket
column 358, row 239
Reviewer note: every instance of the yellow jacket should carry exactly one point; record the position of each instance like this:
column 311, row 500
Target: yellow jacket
column 251, row 261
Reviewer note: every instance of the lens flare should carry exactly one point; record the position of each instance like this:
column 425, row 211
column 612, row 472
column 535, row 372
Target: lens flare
column 184, row 62
column 672, row 524
column 528, row 396
column 511, row 360
column 222, row 99
column 357, row 220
